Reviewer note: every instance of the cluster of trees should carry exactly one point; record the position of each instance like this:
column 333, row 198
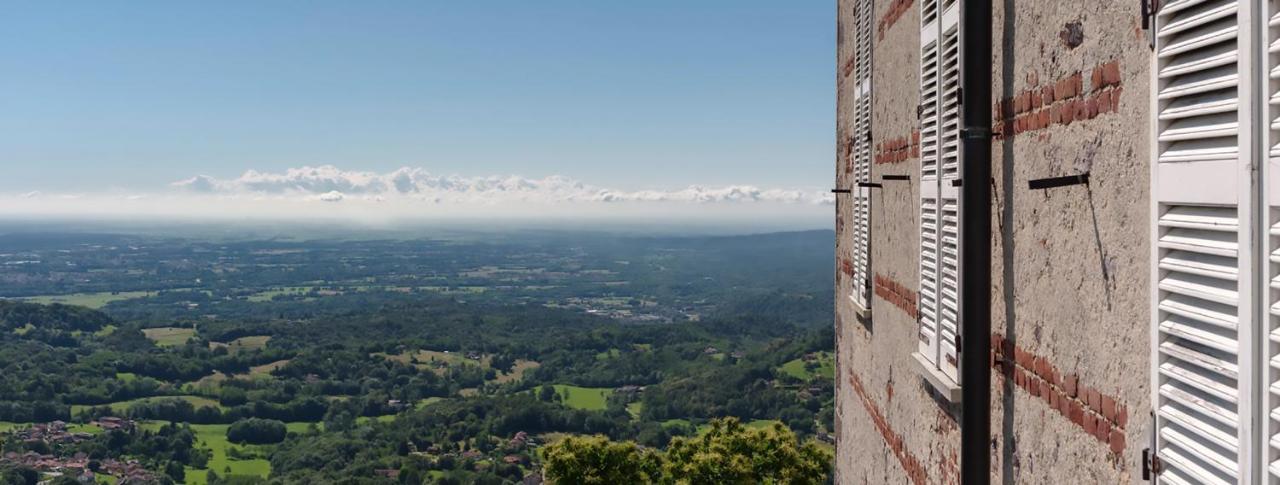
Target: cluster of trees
column 256, row 431
column 727, row 453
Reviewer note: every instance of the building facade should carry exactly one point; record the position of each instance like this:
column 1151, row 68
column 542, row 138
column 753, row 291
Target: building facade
column 1135, row 250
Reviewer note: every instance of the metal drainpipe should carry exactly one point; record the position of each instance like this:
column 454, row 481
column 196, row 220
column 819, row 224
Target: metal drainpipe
column 975, row 235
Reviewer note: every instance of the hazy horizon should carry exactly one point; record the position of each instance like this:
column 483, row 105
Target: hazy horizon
column 406, row 111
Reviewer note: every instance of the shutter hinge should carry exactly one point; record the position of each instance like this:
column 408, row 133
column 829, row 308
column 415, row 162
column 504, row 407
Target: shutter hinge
column 959, row 345
column 1148, row 9
column 960, row 95
column 920, row 111
column 1151, row 466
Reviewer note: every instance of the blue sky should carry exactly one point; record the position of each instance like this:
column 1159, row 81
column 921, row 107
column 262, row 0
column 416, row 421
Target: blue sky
column 654, row 95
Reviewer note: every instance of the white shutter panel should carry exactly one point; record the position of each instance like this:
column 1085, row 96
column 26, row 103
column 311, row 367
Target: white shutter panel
column 949, row 157
column 1269, row 74
column 862, row 154
column 1202, row 316
column 929, row 230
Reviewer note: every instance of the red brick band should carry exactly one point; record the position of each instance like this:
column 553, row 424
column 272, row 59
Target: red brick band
column 896, row 10
column 896, row 294
column 898, row 150
column 910, row 464
column 1059, row 103
column 1099, row 415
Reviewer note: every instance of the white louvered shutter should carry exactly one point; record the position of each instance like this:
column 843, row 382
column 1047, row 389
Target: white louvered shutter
column 862, row 154
column 940, row 211
column 929, row 167
column 949, row 192
column 1203, row 273
column 1269, row 76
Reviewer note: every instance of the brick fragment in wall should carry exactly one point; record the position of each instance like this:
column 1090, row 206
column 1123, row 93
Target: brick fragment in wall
column 846, row 267
column 898, row 149
column 913, row 467
column 1060, row 102
column 896, row 294
column 892, row 15
column 1097, row 414
column 847, row 69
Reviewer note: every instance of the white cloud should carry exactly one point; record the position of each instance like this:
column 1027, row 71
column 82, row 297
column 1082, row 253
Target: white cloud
column 331, row 184
column 408, row 194
column 331, row 196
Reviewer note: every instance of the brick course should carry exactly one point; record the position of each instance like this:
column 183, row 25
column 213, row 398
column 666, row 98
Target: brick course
column 896, row 10
column 1059, row 103
column 898, row 150
column 910, row 464
column 896, row 294
column 1099, row 415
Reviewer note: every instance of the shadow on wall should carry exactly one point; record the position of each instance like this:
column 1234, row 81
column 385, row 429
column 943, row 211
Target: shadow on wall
column 1008, row 454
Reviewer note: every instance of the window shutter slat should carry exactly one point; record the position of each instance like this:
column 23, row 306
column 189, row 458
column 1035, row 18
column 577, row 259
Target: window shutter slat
column 861, row 134
column 951, row 212
column 930, row 216
column 940, row 211
column 1269, row 114
column 1202, row 256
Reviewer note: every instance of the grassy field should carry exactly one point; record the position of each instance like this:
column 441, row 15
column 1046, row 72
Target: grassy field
column 634, row 409
column 590, row 398
column 214, row 437
column 302, row 428
column 169, row 336
column 6, row 426
column 608, row 354
column 427, row 402
column 252, row 342
column 120, row 407
column 126, row 376
column 517, row 371
column 267, row 369
column 91, row 300
column 386, row 418
column 826, row 368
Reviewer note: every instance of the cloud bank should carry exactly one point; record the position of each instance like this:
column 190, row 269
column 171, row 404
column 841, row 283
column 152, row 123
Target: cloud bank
column 408, row 193
column 331, row 184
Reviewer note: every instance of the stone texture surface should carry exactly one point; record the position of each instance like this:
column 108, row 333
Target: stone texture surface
column 1069, row 265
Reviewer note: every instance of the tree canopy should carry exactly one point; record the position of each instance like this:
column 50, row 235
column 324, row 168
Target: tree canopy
column 728, row 452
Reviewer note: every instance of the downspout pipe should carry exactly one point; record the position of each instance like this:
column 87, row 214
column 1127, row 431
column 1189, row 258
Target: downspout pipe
column 975, row 236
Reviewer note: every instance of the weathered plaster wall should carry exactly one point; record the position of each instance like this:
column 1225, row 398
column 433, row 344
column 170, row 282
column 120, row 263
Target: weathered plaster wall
column 1070, row 392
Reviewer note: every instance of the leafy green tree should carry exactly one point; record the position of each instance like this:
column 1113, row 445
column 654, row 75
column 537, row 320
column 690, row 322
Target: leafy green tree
column 732, row 453
column 256, row 431
column 728, row 453
column 175, row 471
column 596, row 460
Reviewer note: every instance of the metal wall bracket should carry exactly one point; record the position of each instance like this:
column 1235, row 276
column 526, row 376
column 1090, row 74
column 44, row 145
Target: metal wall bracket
column 841, row 191
column 975, row 133
column 1052, row 182
column 1148, row 16
column 872, row 185
column 895, row 177
column 1151, row 465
